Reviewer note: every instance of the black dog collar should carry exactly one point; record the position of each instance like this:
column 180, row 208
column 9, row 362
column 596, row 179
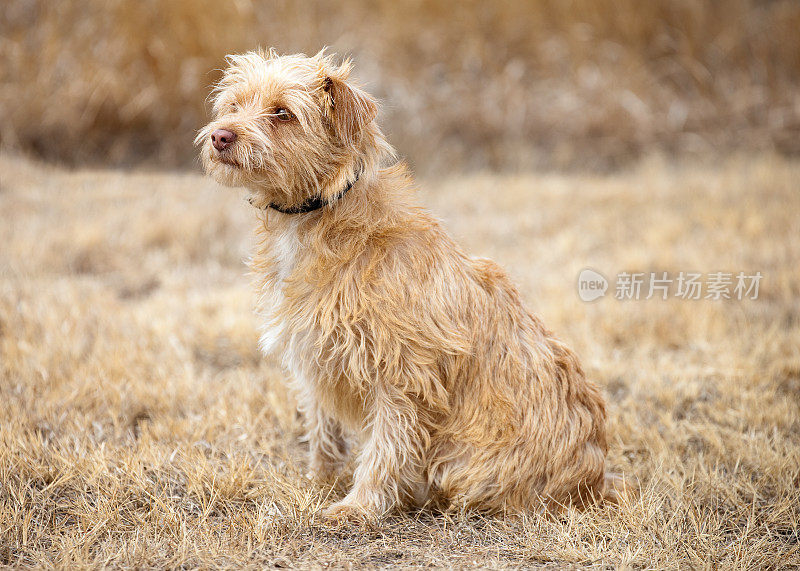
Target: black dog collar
column 316, row 202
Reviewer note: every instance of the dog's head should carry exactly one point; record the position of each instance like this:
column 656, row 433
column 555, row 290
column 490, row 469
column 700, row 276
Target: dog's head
column 287, row 127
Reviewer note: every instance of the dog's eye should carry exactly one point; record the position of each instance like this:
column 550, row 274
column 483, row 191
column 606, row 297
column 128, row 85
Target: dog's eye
column 233, row 107
column 282, row 114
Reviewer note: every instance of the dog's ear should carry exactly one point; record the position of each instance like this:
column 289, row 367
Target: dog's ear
column 349, row 108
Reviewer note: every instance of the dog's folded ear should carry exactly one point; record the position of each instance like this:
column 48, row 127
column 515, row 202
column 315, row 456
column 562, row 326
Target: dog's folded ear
column 349, row 108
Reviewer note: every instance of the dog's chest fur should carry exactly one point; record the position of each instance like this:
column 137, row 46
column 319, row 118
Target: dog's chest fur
column 274, row 263
column 290, row 325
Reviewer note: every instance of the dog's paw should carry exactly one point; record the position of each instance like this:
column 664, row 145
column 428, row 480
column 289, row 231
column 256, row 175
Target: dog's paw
column 349, row 513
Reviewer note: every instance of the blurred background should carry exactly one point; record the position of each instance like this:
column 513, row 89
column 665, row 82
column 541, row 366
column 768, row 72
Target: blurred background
column 468, row 85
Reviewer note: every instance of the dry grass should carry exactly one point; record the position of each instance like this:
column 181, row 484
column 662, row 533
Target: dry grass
column 484, row 84
column 140, row 427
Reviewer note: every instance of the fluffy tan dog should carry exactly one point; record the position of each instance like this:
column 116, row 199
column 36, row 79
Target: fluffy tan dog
column 392, row 333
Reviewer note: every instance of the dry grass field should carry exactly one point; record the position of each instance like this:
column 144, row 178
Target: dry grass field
column 139, row 426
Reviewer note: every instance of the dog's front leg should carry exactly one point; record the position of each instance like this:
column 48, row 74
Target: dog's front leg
column 390, row 465
column 326, row 442
column 328, row 448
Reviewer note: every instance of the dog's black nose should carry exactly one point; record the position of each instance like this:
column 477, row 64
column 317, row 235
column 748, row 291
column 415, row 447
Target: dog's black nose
column 222, row 139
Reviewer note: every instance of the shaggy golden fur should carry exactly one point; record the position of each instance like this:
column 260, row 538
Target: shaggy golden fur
column 392, row 333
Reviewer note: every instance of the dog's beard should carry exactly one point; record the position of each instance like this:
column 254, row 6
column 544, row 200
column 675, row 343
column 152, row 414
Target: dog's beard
column 225, row 170
column 229, row 168
column 266, row 185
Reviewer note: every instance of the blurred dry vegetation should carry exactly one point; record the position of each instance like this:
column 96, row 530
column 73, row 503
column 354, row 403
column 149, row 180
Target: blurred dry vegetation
column 473, row 84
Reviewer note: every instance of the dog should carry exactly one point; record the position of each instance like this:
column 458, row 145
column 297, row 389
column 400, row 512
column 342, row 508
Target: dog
column 394, row 336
